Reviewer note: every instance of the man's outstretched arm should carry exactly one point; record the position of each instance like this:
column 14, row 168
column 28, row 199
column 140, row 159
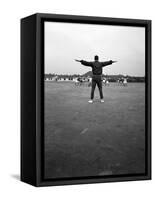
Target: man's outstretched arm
column 110, row 62
column 83, row 62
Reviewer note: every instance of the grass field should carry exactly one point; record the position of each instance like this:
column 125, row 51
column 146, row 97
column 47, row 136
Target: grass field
column 83, row 139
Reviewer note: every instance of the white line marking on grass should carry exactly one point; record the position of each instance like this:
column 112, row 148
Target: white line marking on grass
column 84, row 131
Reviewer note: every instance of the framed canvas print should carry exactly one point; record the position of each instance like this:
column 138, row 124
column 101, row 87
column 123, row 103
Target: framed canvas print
column 85, row 99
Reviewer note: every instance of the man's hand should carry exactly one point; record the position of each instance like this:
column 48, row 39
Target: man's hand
column 77, row 60
column 114, row 61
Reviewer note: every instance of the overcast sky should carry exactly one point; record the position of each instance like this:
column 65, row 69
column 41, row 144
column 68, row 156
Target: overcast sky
column 65, row 42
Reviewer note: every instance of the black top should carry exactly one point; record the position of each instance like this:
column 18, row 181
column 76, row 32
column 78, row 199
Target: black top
column 96, row 66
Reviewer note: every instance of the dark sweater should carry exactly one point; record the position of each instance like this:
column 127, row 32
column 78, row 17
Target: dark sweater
column 96, row 66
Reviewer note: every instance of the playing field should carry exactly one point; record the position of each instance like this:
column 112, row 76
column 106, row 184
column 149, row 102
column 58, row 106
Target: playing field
column 83, row 139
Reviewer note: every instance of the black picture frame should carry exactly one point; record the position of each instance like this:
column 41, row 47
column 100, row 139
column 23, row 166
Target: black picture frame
column 32, row 98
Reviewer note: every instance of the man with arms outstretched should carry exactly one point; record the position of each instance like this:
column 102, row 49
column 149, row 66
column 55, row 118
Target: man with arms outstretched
column 96, row 75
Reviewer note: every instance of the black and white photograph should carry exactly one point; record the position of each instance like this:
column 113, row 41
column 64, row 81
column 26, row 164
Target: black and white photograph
column 77, row 100
column 94, row 100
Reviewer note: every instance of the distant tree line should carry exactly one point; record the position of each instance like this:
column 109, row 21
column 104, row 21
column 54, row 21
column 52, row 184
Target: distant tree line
column 133, row 79
column 111, row 78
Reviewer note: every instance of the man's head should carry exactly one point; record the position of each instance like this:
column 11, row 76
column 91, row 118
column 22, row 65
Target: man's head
column 96, row 58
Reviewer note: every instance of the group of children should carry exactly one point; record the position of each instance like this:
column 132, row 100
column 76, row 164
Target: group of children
column 80, row 81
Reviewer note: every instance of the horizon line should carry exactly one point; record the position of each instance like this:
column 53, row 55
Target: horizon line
column 102, row 74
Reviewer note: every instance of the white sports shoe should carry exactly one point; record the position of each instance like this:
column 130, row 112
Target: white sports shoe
column 102, row 100
column 90, row 101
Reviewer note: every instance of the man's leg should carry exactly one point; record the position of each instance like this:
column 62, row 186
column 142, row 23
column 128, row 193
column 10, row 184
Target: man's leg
column 99, row 84
column 93, row 89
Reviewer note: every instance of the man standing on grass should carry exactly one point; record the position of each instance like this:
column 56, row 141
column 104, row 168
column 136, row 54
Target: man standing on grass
column 96, row 75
